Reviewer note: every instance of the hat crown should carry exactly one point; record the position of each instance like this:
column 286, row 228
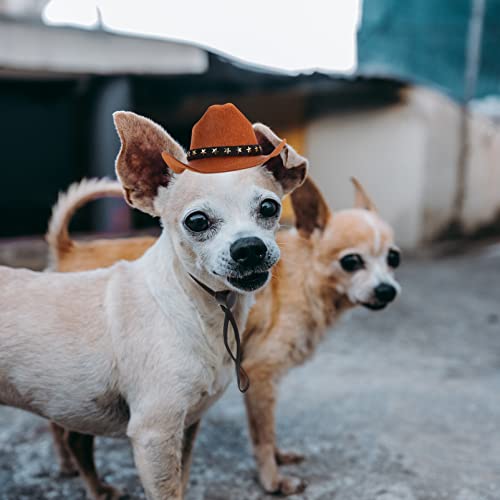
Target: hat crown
column 222, row 125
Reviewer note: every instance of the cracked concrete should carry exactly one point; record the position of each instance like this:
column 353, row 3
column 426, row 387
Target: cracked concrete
column 398, row 405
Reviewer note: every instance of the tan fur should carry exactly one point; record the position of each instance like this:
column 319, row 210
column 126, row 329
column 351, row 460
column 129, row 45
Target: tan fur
column 291, row 317
column 306, row 296
column 84, row 256
column 66, row 254
column 361, row 198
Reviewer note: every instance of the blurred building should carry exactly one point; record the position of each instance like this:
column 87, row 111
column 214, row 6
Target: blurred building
column 59, row 87
column 406, row 154
column 394, row 130
column 426, row 42
column 450, row 147
column 431, row 158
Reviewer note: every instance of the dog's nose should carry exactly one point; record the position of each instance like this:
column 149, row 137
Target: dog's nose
column 248, row 251
column 385, row 292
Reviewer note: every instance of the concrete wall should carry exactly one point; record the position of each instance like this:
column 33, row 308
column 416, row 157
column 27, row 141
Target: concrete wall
column 482, row 197
column 406, row 156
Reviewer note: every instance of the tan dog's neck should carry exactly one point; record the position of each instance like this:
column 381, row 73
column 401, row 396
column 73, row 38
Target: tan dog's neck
column 305, row 273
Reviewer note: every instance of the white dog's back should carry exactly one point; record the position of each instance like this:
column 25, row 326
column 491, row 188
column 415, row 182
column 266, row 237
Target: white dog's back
column 47, row 366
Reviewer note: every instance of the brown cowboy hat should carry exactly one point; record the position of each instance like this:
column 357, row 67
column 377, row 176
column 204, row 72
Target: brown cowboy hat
column 221, row 141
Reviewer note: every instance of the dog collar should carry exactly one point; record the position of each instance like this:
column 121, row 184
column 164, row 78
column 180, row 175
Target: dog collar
column 226, row 300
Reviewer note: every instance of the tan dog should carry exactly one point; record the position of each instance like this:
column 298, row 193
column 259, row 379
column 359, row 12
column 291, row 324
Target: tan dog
column 330, row 263
column 136, row 349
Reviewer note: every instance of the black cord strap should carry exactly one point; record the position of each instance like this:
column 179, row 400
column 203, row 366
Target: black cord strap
column 226, row 300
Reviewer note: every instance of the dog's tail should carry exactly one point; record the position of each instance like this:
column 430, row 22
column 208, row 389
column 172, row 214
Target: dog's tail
column 77, row 195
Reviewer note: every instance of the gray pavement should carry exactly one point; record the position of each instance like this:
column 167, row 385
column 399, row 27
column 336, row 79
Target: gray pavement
column 402, row 404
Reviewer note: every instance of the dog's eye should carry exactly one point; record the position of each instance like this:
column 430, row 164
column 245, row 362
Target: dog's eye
column 352, row 262
column 197, row 222
column 393, row 258
column 269, row 208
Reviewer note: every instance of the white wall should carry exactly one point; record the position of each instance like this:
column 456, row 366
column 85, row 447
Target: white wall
column 32, row 47
column 383, row 149
column 482, row 196
column 406, row 156
column 440, row 119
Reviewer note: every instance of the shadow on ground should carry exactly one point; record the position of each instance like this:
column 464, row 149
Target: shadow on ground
column 398, row 405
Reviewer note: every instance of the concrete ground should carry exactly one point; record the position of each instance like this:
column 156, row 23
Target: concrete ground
column 402, row 404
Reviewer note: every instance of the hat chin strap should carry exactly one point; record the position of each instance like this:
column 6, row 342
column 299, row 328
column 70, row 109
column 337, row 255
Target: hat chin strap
column 226, row 300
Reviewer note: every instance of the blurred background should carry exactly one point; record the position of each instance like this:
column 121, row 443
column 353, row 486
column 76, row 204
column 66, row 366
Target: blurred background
column 405, row 95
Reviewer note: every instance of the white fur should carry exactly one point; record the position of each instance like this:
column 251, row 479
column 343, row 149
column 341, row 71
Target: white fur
column 359, row 286
column 70, row 343
column 74, row 346
column 371, row 221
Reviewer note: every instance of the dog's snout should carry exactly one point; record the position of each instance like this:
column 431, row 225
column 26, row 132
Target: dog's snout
column 385, row 292
column 249, row 251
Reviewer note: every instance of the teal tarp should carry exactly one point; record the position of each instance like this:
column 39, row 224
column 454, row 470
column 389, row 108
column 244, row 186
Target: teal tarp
column 424, row 41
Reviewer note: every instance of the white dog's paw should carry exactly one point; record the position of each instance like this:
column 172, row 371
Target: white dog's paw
column 291, row 485
column 283, row 485
column 107, row 492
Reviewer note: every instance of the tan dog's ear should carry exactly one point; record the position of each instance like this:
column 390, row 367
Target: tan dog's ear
column 310, row 208
column 139, row 164
column 289, row 169
column 361, row 198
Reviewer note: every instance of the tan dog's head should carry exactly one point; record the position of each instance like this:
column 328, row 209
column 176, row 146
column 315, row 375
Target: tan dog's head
column 222, row 226
column 354, row 249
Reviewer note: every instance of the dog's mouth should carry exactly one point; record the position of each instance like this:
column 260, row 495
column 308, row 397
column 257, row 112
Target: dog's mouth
column 375, row 306
column 250, row 282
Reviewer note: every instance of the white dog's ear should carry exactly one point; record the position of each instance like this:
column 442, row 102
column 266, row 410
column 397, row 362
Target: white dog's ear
column 310, row 208
column 289, row 169
column 139, row 164
column 361, row 198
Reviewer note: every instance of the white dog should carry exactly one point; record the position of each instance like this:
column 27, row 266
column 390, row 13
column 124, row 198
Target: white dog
column 136, row 349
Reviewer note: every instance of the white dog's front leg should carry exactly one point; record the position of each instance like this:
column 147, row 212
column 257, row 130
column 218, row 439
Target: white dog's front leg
column 158, row 456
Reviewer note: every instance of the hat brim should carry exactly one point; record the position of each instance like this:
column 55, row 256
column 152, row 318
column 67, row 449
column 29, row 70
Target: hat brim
column 222, row 164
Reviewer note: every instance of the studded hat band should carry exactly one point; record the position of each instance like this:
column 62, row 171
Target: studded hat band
column 224, row 151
